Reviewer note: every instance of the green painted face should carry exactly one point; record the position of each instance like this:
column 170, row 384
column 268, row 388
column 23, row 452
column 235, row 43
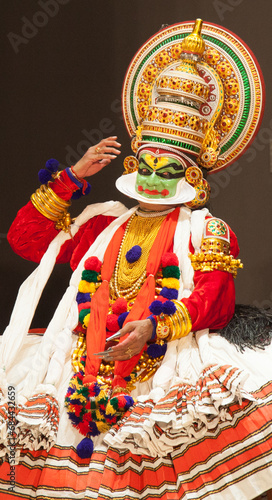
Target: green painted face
column 158, row 177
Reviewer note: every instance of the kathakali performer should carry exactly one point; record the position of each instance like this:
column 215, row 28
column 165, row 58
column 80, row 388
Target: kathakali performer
column 147, row 382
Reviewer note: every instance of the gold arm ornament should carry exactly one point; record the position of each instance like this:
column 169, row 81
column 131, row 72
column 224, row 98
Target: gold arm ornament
column 207, row 262
column 51, row 206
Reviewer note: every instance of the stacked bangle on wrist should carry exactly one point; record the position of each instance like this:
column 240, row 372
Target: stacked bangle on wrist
column 174, row 326
column 49, row 204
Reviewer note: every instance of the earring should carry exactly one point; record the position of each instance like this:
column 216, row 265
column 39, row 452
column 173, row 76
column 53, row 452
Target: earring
column 194, row 176
column 131, row 165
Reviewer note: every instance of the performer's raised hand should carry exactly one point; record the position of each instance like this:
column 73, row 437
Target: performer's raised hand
column 97, row 157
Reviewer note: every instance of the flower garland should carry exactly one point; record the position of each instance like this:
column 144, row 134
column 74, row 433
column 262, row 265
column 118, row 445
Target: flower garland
column 94, row 408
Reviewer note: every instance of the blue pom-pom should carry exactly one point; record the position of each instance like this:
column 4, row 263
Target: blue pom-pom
column 44, row 176
column 156, row 307
column 169, row 308
column 156, row 350
column 85, row 448
column 134, row 254
column 129, row 402
column 169, row 293
column 52, row 165
column 77, row 194
column 82, row 297
column 93, row 430
column 74, row 419
column 87, row 190
column 121, row 318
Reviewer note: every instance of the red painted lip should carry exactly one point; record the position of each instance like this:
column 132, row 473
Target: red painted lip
column 153, row 192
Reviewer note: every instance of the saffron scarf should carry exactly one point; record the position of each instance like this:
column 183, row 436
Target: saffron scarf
column 96, row 331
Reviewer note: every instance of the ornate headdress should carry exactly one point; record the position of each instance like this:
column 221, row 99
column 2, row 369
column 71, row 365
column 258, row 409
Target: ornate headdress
column 195, row 90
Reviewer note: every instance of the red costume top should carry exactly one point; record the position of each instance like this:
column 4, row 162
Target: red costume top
column 211, row 305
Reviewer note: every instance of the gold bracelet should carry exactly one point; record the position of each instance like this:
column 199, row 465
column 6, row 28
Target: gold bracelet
column 185, row 318
column 48, row 203
column 42, row 208
column 175, row 326
column 60, row 201
column 45, row 200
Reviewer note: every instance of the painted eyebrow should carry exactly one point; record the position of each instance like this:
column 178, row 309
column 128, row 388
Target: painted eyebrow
column 174, row 165
column 146, row 164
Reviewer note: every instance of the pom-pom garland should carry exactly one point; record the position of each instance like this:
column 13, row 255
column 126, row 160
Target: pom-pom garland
column 93, row 409
column 134, row 254
column 170, row 286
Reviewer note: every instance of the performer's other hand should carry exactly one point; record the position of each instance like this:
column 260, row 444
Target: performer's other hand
column 97, row 157
column 139, row 334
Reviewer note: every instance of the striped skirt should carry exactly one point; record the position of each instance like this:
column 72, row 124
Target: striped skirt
column 178, row 447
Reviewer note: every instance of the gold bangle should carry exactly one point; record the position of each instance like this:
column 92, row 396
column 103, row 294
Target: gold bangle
column 42, row 209
column 54, row 198
column 45, row 200
column 48, row 205
column 60, row 201
column 185, row 318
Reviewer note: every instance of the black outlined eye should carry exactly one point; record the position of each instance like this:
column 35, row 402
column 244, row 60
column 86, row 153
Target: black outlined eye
column 144, row 171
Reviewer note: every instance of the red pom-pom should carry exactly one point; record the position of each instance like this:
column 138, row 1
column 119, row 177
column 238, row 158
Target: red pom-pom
column 93, row 264
column 77, row 410
column 169, row 259
column 83, row 428
column 84, row 305
column 112, row 323
column 119, row 306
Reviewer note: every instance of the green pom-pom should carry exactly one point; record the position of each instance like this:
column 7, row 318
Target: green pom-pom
column 82, row 314
column 90, row 276
column 171, row 272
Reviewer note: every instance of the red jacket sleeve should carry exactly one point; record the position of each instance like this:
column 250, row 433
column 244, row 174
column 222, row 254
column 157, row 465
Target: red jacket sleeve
column 31, row 233
column 211, row 304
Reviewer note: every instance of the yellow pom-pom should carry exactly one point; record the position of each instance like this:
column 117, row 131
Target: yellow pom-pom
column 102, row 427
column 86, row 287
column 86, row 320
column 110, row 410
column 170, row 283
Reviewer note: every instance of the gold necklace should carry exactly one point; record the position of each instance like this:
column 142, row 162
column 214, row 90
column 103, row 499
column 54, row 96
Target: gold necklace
column 128, row 277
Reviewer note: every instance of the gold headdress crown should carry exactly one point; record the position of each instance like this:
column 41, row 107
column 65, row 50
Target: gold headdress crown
column 197, row 89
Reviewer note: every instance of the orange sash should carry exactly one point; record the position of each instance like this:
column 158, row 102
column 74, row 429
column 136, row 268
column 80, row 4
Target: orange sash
column 96, row 331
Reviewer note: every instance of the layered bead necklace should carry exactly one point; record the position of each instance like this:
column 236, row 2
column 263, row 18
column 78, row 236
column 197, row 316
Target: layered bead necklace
column 141, row 231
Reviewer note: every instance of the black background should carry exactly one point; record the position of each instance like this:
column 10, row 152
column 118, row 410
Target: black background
column 68, row 77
